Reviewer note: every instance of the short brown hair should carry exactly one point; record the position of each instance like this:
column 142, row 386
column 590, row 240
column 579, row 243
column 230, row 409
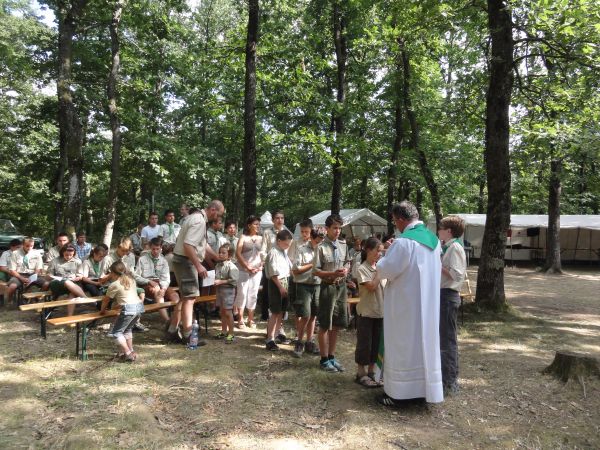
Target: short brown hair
column 453, row 223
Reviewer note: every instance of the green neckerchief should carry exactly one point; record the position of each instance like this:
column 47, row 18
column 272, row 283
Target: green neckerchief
column 449, row 243
column 422, row 235
column 170, row 225
column 96, row 267
column 26, row 261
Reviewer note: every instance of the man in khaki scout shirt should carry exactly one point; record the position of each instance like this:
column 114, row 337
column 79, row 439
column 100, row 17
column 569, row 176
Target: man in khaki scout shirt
column 329, row 265
column 190, row 251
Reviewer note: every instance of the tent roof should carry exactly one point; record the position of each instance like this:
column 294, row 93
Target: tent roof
column 362, row 216
column 590, row 222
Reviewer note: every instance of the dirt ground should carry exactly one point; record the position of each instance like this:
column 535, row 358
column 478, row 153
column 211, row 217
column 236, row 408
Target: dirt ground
column 242, row 397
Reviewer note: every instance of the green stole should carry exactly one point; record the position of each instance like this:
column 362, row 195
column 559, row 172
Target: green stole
column 422, row 235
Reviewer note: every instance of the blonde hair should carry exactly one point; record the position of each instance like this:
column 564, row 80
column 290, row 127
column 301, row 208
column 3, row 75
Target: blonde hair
column 118, row 268
column 125, row 243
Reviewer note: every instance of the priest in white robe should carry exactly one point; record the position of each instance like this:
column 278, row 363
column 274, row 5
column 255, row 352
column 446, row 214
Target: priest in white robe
column 412, row 267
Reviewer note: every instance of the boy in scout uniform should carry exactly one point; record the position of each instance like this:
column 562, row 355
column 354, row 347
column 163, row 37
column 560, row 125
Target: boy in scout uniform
column 15, row 245
column 307, row 285
column 62, row 239
column 152, row 273
column 169, row 230
column 23, row 264
column 277, row 271
column 329, row 266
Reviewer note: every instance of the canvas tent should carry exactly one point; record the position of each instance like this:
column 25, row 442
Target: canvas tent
column 360, row 223
column 579, row 236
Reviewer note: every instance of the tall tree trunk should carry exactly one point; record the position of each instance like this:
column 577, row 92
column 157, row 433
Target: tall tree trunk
column 396, row 147
column 414, row 143
column 553, row 262
column 249, row 152
column 70, row 129
column 115, row 122
column 490, row 277
column 341, row 56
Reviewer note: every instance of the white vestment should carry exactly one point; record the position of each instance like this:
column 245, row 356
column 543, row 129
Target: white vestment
column 412, row 367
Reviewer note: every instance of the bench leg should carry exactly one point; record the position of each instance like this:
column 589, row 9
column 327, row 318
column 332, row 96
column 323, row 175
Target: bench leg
column 84, row 336
column 462, row 311
column 77, row 333
column 205, row 311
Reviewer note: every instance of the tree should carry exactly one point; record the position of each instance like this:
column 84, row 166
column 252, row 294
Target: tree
column 249, row 152
column 490, row 276
column 69, row 122
column 115, row 122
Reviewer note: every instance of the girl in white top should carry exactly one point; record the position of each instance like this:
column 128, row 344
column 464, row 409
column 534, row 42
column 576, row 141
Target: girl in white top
column 250, row 254
column 123, row 291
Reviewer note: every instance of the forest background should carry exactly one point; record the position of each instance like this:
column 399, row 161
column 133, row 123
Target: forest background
column 122, row 107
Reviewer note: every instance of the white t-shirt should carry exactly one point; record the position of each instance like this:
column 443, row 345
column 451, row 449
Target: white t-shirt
column 149, row 232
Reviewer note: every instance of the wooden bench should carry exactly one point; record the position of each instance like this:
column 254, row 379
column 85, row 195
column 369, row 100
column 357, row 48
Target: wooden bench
column 83, row 321
column 201, row 305
column 3, row 287
column 45, row 309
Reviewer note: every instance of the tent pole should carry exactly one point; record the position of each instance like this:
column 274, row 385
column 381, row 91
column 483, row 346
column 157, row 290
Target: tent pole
column 576, row 244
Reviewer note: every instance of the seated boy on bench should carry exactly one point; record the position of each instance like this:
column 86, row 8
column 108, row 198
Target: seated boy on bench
column 23, row 265
column 152, row 273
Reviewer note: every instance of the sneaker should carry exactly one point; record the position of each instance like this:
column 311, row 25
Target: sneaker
column 298, row 349
column 229, row 339
column 173, row 338
column 335, row 363
column 311, row 348
column 282, row 339
column 220, row 336
column 328, row 367
column 140, row 328
column 272, row 346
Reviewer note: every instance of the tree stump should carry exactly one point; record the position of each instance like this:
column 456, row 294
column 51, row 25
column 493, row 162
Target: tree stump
column 570, row 365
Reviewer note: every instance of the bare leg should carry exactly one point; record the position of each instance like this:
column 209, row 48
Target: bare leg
column 250, row 316
column 333, row 335
column 323, row 343
column 187, row 315
column 229, row 320
column 310, row 327
column 300, row 327
column 74, row 289
column 272, row 325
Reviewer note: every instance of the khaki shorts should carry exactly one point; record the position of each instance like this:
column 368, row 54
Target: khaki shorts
column 225, row 296
column 306, row 303
column 333, row 306
column 187, row 277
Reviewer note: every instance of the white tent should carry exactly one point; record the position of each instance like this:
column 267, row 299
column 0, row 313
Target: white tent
column 360, row 223
column 579, row 236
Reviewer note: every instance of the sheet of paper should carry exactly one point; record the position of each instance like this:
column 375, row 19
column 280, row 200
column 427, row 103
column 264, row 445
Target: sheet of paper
column 210, row 279
column 33, row 278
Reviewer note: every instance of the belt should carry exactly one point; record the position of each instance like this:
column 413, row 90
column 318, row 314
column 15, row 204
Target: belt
column 336, row 282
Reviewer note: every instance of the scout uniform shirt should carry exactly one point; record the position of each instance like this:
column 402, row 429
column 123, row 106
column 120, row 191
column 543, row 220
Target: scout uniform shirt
column 215, row 239
column 128, row 260
column 169, row 232
column 25, row 264
column 227, row 270
column 150, row 268
column 305, row 254
column 54, row 252
column 371, row 303
column 59, row 267
column 270, row 236
column 233, row 242
column 193, row 232
column 329, row 257
column 92, row 269
column 455, row 260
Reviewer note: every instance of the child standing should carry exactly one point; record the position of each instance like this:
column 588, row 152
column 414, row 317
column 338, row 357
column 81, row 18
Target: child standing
column 369, row 310
column 226, row 277
column 277, row 271
column 123, row 290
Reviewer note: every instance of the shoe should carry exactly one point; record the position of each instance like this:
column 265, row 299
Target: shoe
column 251, row 324
column 220, row 336
column 298, row 349
column 127, row 358
column 173, row 338
column 140, row 328
column 326, row 366
column 272, row 346
column 335, row 363
column 451, row 389
column 229, row 339
column 282, row 339
column 311, row 348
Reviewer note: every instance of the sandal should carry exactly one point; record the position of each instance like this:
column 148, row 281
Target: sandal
column 366, row 381
column 241, row 326
column 372, row 377
column 386, row 400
